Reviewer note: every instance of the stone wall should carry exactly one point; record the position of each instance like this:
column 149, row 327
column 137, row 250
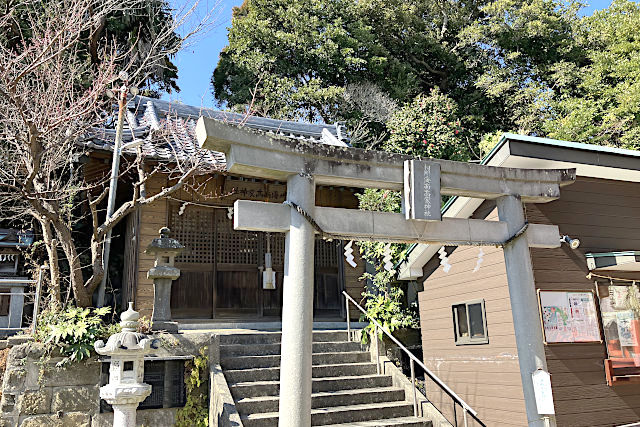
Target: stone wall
column 38, row 394
column 222, row 407
column 51, row 397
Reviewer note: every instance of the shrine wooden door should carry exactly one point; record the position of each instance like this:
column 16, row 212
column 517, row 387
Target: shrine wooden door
column 192, row 292
column 328, row 286
column 236, row 290
column 221, row 269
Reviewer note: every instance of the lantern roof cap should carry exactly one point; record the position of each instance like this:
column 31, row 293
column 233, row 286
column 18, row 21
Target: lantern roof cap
column 127, row 341
column 164, row 244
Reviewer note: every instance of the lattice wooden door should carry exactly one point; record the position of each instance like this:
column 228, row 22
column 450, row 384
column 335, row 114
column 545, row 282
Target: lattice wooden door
column 327, row 298
column 237, row 275
column 220, row 274
column 192, row 293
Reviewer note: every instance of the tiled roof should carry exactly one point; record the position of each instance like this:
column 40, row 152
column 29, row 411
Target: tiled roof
column 168, row 130
column 10, row 237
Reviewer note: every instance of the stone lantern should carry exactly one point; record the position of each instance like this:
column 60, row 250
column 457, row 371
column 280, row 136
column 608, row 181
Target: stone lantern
column 163, row 274
column 126, row 388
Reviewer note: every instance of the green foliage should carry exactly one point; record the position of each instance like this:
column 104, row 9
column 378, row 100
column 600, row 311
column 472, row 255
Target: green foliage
column 428, row 126
column 383, row 201
column 74, row 331
column 523, row 44
column 296, row 59
column 532, row 66
column 599, row 101
column 384, row 303
column 498, row 62
column 138, row 27
column 383, row 299
column 196, row 410
column 298, row 55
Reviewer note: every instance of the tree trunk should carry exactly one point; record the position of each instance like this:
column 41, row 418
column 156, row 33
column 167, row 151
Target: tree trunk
column 54, row 268
column 97, row 266
column 83, row 297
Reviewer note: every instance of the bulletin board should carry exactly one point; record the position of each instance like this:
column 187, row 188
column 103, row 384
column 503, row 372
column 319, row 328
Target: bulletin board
column 569, row 316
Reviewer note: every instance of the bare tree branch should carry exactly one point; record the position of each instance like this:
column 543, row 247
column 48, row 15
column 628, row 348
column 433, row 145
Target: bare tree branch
column 52, row 101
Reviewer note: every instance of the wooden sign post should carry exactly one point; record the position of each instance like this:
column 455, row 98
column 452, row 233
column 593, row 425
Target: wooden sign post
column 422, row 197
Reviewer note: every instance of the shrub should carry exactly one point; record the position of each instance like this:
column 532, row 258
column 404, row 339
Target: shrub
column 384, row 304
column 73, row 331
column 196, row 410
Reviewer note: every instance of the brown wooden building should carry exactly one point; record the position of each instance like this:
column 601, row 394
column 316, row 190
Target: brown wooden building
column 593, row 356
column 221, row 268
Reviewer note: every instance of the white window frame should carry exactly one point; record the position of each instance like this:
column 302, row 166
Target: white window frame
column 468, row 340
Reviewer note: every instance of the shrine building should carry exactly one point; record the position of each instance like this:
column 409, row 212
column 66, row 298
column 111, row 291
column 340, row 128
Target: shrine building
column 587, row 289
column 221, row 268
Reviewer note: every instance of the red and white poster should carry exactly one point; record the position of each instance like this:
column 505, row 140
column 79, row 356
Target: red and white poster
column 569, row 317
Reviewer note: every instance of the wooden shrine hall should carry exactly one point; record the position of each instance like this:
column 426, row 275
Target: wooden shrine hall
column 221, row 268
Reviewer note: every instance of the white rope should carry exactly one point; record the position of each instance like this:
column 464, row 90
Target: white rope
column 611, row 279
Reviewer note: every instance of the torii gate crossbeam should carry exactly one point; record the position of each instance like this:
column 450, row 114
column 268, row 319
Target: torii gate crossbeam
column 304, row 164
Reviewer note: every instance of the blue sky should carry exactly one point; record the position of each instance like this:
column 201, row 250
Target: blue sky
column 196, row 64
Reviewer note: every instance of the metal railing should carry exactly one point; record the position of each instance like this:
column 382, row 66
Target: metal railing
column 12, row 281
column 466, row 409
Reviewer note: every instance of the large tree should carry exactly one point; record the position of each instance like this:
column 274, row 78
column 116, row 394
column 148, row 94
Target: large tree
column 525, row 45
column 303, row 59
column 598, row 101
column 52, row 98
column 293, row 59
column 139, row 27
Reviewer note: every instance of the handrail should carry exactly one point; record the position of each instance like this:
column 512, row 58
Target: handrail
column 434, row 377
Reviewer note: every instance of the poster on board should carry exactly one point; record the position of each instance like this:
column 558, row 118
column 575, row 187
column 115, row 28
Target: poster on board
column 569, row 317
column 626, row 332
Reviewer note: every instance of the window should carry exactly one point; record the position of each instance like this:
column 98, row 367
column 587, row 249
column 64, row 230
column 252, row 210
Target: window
column 470, row 323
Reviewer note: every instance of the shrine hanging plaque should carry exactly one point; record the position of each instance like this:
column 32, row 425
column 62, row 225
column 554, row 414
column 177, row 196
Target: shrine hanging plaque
column 569, row 317
column 422, row 190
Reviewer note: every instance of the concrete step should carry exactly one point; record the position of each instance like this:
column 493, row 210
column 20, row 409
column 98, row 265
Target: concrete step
column 272, row 374
column 391, row 422
column 271, row 361
column 272, row 388
column 338, row 414
column 188, row 325
column 252, row 405
column 275, row 337
column 229, row 350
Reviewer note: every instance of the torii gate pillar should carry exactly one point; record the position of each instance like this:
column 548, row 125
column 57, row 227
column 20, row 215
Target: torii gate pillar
column 297, row 307
column 305, row 164
column 524, row 306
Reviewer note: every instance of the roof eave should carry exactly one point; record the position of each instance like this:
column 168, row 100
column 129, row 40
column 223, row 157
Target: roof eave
column 510, row 146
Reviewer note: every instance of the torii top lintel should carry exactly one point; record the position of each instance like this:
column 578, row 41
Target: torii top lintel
column 271, row 157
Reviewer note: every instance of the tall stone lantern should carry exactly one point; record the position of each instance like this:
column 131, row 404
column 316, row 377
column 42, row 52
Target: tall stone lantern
column 126, row 388
column 163, row 274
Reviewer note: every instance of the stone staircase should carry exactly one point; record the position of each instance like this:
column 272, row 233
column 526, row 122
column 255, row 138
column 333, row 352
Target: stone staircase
column 347, row 391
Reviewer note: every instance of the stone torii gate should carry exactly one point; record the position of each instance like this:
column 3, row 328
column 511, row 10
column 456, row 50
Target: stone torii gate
column 303, row 165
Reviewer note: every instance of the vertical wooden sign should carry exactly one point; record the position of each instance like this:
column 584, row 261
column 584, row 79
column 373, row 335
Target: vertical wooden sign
column 422, row 190
column 543, row 393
